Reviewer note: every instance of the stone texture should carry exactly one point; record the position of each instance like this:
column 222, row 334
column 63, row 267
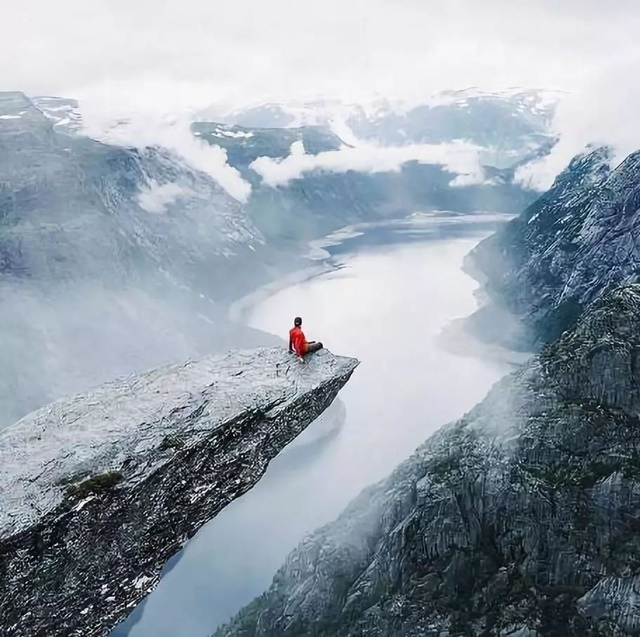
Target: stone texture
column 522, row 518
column 98, row 491
column 574, row 244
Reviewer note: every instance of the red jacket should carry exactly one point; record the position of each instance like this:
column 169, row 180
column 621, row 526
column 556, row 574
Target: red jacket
column 298, row 341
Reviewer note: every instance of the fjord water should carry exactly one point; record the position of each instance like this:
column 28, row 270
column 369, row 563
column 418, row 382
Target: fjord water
column 388, row 295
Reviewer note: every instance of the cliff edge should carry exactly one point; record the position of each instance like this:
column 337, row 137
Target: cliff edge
column 97, row 492
column 521, row 519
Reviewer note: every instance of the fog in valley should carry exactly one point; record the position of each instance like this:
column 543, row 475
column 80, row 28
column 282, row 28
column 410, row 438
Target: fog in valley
column 183, row 179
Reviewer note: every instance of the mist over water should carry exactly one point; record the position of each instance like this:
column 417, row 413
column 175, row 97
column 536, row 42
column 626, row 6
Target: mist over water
column 393, row 290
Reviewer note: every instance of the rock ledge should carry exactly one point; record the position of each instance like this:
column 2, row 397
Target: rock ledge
column 98, row 491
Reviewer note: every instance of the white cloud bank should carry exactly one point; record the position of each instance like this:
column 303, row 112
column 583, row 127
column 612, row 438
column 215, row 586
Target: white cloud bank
column 156, row 198
column 458, row 157
column 279, row 49
column 114, row 116
column 180, row 56
column 604, row 111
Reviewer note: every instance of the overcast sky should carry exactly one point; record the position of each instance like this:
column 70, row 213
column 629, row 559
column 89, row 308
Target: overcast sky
column 257, row 49
column 150, row 61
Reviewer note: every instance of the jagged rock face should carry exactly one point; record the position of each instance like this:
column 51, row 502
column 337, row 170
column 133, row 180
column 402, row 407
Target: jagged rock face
column 97, row 492
column 577, row 242
column 522, row 518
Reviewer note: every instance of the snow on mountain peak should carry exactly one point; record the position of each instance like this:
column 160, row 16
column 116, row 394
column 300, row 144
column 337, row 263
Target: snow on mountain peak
column 64, row 113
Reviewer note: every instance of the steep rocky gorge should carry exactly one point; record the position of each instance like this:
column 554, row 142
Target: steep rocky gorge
column 519, row 519
column 571, row 246
column 97, row 492
column 107, row 249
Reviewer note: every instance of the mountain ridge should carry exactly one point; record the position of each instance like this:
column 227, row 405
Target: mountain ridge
column 569, row 247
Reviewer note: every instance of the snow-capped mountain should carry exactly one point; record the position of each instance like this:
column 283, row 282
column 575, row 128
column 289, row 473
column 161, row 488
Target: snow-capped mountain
column 63, row 112
column 512, row 120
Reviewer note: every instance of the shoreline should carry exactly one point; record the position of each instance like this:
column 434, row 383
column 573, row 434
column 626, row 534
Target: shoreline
column 320, row 259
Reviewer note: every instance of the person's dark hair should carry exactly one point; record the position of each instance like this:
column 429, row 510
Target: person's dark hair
column 297, row 321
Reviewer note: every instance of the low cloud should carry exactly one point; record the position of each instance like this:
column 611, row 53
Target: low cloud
column 109, row 116
column 604, row 112
column 460, row 158
column 155, row 198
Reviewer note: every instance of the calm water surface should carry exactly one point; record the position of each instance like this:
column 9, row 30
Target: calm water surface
column 390, row 294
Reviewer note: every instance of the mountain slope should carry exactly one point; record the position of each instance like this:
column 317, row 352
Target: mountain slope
column 519, row 519
column 66, row 197
column 112, row 260
column 571, row 246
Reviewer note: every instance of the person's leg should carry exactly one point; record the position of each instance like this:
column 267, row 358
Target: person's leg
column 313, row 347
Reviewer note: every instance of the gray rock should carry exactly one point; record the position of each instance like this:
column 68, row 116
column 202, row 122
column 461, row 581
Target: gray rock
column 522, row 518
column 576, row 243
column 98, row 491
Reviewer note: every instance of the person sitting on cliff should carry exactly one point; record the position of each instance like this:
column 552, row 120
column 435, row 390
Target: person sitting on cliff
column 298, row 343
